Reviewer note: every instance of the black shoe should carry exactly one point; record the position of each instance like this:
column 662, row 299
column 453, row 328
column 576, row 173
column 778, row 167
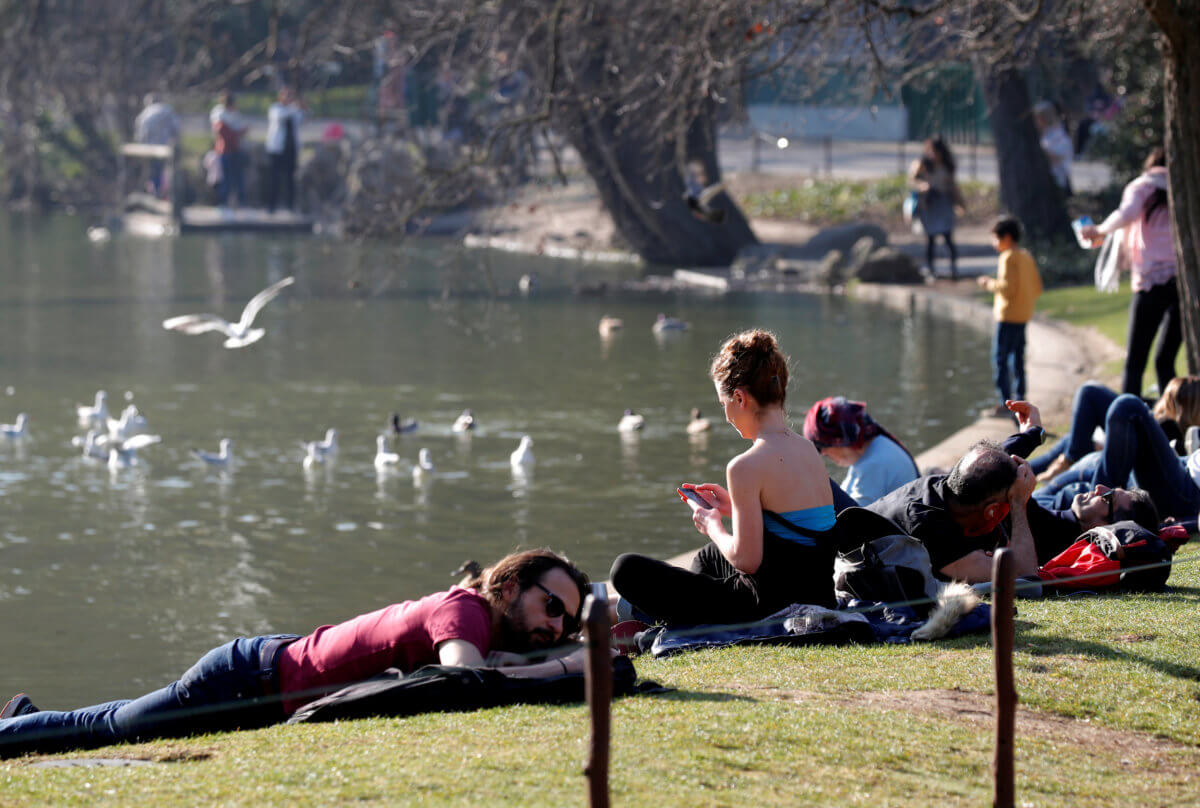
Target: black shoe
column 18, row 706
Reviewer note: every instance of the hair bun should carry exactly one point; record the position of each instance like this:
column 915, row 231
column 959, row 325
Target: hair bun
column 752, row 360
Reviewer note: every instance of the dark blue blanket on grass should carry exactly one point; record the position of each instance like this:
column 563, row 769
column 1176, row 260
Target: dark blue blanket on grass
column 855, row 621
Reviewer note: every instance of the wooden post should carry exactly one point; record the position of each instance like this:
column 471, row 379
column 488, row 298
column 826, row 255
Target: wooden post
column 1006, row 693
column 828, row 143
column 598, row 681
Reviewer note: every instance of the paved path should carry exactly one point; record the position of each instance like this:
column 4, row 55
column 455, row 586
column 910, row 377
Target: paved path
column 866, row 160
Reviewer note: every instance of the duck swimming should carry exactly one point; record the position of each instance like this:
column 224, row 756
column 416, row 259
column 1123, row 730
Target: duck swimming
column 16, row 430
column 522, row 456
column 631, row 422
column 423, row 471
column 385, row 460
column 95, row 415
column 464, row 422
column 698, row 424
column 223, row 458
column 665, row 323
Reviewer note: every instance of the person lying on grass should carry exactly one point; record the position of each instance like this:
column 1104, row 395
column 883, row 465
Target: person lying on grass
column 985, row 502
column 527, row 602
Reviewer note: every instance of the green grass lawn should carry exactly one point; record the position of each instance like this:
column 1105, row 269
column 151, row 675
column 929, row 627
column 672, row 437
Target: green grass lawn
column 1113, row 680
column 1112, row 683
column 822, row 201
column 1107, row 313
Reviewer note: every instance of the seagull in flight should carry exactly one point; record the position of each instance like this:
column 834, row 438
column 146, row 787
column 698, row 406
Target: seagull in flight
column 238, row 334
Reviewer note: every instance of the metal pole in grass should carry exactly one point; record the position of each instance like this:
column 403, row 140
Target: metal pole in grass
column 1006, row 693
column 599, row 684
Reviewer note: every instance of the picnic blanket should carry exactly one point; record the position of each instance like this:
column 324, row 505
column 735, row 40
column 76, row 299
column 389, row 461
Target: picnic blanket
column 805, row 624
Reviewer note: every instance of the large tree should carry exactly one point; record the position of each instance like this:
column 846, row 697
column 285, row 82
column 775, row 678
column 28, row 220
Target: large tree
column 1179, row 21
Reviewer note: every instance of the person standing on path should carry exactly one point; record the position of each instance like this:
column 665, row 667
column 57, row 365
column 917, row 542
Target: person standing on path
column 283, row 146
column 932, row 177
column 1016, row 287
column 1143, row 226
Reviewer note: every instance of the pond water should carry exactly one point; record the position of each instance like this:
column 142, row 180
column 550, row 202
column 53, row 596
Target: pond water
column 113, row 583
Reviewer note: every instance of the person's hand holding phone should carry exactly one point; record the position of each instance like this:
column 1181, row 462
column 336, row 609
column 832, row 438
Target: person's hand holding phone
column 705, row 515
column 716, row 496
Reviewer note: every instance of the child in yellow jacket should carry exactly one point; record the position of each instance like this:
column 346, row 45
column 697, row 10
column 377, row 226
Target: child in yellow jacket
column 1016, row 286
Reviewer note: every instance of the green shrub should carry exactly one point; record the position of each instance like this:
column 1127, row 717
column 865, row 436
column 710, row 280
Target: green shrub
column 832, row 201
column 1064, row 263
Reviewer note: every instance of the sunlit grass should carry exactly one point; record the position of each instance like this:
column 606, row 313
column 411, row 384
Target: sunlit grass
column 1107, row 313
column 832, row 201
column 747, row 726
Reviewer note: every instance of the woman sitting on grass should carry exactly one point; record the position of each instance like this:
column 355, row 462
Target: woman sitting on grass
column 876, row 462
column 779, row 549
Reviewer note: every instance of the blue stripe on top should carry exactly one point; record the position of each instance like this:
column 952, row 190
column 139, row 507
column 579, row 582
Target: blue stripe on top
column 820, row 518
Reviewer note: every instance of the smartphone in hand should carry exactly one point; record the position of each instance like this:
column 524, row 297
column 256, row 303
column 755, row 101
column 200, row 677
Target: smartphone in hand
column 693, row 497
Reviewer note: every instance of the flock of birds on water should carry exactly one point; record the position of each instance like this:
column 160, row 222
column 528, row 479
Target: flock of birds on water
column 116, row 441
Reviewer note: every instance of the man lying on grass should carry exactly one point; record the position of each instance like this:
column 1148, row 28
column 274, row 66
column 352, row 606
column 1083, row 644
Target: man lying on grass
column 985, row 502
column 528, row 601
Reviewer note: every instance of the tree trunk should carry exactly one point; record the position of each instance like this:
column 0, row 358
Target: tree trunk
column 1179, row 21
column 641, row 187
column 1027, row 188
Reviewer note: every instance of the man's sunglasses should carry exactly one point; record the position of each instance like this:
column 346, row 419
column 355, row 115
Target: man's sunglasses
column 556, row 608
column 1107, row 496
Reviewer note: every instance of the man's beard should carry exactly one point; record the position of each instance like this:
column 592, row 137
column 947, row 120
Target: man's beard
column 515, row 634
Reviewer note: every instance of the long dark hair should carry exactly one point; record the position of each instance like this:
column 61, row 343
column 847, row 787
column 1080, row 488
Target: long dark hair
column 938, row 146
column 1158, row 201
column 526, row 568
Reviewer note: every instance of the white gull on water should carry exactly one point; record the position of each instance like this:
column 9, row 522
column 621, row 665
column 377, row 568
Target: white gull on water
column 125, row 455
column 16, row 430
column 223, row 458
column 384, row 460
column 95, row 415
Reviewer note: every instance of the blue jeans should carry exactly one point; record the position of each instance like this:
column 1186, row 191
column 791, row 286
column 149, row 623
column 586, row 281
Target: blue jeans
column 1089, row 411
column 1058, row 493
column 1008, row 347
column 233, row 178
column 224, row 690
column 1135, row 444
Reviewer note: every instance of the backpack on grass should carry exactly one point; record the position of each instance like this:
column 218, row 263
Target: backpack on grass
column 1123, row 556
column 877, row 561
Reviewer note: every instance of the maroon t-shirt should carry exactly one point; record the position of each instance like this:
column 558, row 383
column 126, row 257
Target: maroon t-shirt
column 403, row 635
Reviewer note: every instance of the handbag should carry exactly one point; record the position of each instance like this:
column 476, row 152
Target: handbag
column 1108, row 262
